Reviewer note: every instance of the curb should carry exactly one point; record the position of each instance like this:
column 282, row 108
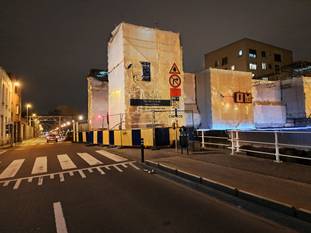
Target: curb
column 284, row 208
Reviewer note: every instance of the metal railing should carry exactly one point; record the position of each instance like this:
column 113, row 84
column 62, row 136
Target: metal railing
column 258, row 142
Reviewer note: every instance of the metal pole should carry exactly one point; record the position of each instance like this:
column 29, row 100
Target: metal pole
column 232, row 142
column 176, row 140
column 153, row 129
column 276, row 143
column 142, row 152
column 237, row 141
column 27, row 115
column 203, row 140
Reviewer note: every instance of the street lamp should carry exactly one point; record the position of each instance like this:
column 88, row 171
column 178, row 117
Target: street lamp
column 27, row 109
column 80, row 117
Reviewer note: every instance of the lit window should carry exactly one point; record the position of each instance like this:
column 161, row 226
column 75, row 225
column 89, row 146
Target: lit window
column 252, row 53
column 252, row 66
column 233, row 67
column 146, row 71
column 240, row 53
column 264, row 66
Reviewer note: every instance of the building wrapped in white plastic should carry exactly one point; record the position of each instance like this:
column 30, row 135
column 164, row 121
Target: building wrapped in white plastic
column 139, row 61
column 268, row 108
column 296, row 96
column 219, row 108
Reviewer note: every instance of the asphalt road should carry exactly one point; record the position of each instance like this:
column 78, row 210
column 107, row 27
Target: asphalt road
column 64, row 187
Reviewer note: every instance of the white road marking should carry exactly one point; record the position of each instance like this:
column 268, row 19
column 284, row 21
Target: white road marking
column 107, row 167
column 134, row 166
column 40, row 165
column 100, row 171
column 89, row 159
column 17, row 184
column 29, row 179
column 40, row 181
column 111, row 156
column 65, row 162
column 118, row 169
column 82, row 174
column 52, row 176
column 90, row 170
column 61, row 177
column 124, row 165
column 59, row 218
column 12, row 169
column 71, row 173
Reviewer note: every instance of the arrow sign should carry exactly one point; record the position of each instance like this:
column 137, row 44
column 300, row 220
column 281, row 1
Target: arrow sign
column 175, row 81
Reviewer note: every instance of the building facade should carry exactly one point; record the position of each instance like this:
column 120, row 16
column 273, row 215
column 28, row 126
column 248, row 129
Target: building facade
column 139, row 64
column 6, row 89
column 98, row 99
column 265, row 61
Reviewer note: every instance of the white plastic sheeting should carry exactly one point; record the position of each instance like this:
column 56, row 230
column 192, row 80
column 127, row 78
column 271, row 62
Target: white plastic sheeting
column 296, row 94
column 268, row 109
column 129, row 46
column 215, row 97
column 97, row 103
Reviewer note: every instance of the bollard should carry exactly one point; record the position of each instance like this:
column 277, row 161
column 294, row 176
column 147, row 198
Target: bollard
column 142, row 152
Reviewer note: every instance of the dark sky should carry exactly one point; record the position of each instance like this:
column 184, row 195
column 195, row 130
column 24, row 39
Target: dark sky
column 53, row 43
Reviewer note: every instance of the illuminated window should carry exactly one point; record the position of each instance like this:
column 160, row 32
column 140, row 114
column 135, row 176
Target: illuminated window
column 252, row 66
column 233, row 67
column 264, row 66
column 240, row 53
column 224, row 61
column 146, row 71
column 252, row 53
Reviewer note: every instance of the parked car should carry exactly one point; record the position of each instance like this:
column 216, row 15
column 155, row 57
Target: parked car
column 52, row 137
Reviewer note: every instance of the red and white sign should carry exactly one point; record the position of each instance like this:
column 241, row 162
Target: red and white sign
column 175, row 80
column 174, row 69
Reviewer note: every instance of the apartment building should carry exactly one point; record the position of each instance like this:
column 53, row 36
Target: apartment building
column 6, row 88
column 265, row 61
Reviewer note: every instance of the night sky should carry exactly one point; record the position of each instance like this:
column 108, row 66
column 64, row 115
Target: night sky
column 53, row 43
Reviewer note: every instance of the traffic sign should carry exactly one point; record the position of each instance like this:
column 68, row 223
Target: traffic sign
column 174, row 80
column 174, row 69
column 175, row 92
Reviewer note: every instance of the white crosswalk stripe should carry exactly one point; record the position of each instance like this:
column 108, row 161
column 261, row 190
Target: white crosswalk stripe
column 111, row 156
column 89, row 159
column 12, row 169
column 40, row 165
column 65, row 162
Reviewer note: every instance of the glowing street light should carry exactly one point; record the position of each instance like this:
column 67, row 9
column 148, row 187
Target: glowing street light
column 80, row 117
column 27, row 109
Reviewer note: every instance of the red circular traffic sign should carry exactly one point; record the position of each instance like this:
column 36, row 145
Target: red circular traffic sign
column 174, row 80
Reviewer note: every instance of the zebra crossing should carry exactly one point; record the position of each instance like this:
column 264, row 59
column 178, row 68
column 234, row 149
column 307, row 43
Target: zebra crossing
column 39, row 171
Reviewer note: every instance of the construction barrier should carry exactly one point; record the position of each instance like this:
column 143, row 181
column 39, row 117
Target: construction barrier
column 160, row 137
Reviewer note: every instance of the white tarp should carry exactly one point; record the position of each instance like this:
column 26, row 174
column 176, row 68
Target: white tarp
column 129, row 47
column 215, row 97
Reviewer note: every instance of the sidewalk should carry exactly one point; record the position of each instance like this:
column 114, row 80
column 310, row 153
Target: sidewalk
column 289, row 183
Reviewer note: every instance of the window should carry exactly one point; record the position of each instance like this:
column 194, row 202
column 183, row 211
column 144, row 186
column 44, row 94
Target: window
column 252, row 66
column 270, row 66
column 233, row 67
column 277, row 69
column 146, row 76
column 252, row 53
column 264, row 66
column 240, row 53
column 263, row 53
column 17, row 109
column 277, row 57
column 224, row 61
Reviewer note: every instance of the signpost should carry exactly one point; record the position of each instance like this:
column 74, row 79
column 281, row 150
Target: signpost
column 175, row 93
